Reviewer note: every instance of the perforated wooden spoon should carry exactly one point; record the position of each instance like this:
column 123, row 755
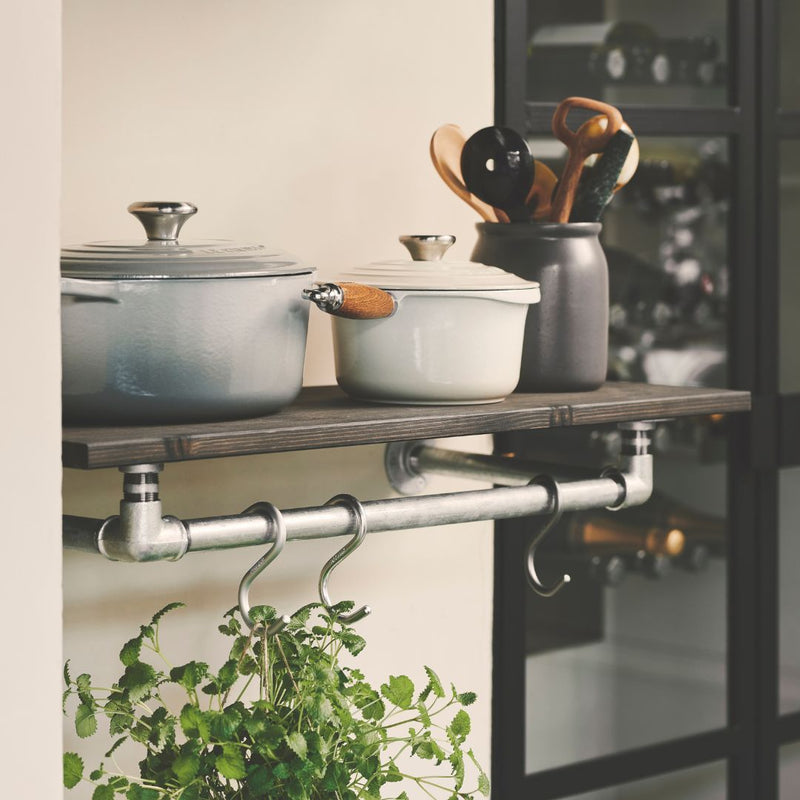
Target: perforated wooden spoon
column 589, row 138
column 446, row 145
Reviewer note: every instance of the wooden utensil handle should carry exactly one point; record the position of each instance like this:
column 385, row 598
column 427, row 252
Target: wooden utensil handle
column 562, row 131
column 540, row 197
column 590, row 138
column 567, row 186
column 352, row 300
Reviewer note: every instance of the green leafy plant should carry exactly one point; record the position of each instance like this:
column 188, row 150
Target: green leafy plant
column 282, row 719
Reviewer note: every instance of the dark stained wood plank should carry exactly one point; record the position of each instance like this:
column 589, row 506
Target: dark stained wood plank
column 323, row 416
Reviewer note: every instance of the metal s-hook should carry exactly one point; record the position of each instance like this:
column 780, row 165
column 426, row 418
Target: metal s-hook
column 361, row 531
column 275, row 521
column 533, row 579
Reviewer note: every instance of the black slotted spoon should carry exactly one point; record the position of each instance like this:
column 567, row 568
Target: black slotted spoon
column 497, row 167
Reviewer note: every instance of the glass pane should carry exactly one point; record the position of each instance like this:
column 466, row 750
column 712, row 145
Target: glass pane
column 789, row 363
column 616, row 665
column 788, row 565
column 789, row 11
column 628, row 51
column 633, row 651
column 700, row 783
column 789, row 772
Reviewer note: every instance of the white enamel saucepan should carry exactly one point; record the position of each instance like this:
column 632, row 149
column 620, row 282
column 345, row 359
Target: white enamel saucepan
column 448, row 332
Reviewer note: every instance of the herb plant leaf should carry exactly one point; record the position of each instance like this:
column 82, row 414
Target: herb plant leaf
column 230, row 762
column 297, row 743
column 167, row 608
column 85, row 721
column 138, row 680
column 130, row 651
column 399, row 691
column 73, row 770
column 186, row 765
column 434, row 683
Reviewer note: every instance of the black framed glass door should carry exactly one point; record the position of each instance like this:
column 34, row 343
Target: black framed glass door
column 690, row 666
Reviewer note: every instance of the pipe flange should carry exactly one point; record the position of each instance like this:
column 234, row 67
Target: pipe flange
column 401, row 471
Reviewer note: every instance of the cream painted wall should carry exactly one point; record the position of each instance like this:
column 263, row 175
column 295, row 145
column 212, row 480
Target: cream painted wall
column 305, row 125
column 30, row 474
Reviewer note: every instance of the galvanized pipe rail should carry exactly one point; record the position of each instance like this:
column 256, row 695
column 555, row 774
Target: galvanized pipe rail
column 141, row 533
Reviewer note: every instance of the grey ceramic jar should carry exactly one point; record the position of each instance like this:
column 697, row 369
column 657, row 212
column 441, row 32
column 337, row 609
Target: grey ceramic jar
column 566, row 334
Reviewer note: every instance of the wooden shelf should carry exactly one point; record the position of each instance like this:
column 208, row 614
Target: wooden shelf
column 324, row 416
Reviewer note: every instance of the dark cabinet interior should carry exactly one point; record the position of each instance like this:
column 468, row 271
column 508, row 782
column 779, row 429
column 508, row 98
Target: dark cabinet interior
column 666, row 671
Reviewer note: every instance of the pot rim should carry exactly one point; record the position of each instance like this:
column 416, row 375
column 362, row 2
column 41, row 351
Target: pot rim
column 436, row 276
column 146, row 261
column 541, row 230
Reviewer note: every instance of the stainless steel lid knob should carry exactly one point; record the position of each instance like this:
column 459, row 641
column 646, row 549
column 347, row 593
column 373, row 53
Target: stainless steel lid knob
column 428, row 247
column 162, row 220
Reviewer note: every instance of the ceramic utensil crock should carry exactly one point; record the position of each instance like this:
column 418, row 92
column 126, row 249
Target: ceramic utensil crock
column 566, row 335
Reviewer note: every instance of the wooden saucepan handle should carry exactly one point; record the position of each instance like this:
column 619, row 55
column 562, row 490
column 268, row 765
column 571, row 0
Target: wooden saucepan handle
column 591, row 137
column 352, row 300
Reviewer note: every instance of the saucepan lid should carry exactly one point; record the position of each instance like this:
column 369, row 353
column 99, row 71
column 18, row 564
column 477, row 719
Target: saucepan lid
column 163, row 256
column 428, row 270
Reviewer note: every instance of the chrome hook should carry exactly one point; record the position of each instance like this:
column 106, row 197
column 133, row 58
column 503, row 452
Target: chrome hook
column 533, row 579
column 275, row 521
column 361, row 531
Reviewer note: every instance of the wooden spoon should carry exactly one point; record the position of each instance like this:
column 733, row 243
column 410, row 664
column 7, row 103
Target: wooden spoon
column 447, row 143
column 589, row 138
column 631, row 160
column 540, row 197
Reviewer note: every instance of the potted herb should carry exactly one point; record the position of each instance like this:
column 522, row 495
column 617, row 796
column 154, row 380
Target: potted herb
column 283, row 718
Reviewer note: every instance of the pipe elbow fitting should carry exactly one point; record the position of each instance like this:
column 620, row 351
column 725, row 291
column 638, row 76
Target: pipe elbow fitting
column 139, row 533
column 636, row 480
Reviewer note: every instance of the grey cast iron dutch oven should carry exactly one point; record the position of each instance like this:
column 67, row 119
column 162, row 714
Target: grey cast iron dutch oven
column 164, row 330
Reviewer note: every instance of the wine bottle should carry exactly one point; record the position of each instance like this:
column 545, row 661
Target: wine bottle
column 575, row 55
column 694, row 558
column 607, row 569
column 652, row 565
column 641, row 294
column 599, row 532
column 693, row 60
column 699, row 527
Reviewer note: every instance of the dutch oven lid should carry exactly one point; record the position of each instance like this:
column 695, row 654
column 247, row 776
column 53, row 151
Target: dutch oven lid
column 163, row 256
column 427, row 270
